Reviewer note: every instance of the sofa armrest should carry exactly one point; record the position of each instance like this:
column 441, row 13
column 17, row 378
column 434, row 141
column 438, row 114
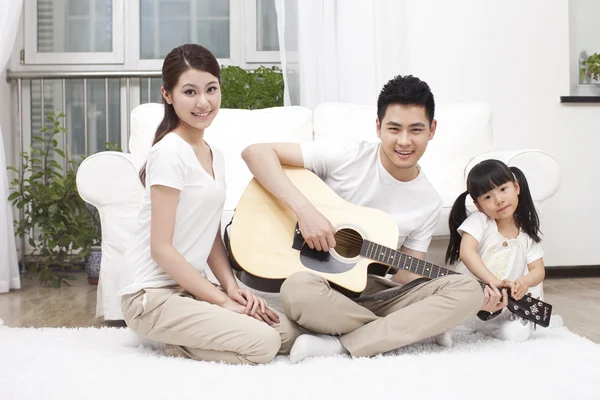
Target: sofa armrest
column 109, row 181
column 109, row 177
column 540, row 168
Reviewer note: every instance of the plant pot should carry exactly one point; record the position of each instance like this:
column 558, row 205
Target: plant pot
column 92, row 265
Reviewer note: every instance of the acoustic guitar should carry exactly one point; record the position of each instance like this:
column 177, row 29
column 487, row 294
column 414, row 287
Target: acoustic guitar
column 266, row 246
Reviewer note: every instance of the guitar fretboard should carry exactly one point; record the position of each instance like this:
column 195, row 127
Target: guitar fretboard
column 400, row 261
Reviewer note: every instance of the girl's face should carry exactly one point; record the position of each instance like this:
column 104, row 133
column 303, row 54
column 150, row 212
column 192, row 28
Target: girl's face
column 500, row 202
column 196, row 98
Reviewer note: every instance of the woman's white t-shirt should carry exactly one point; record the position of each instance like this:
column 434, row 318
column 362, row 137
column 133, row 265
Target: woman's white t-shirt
column 505, row 258
column 173, row 163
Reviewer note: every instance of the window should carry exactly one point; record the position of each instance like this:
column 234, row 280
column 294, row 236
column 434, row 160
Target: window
column 74, row 32
column 128, row 35
column 165, row 24
column 262, row 39
column 85, row 136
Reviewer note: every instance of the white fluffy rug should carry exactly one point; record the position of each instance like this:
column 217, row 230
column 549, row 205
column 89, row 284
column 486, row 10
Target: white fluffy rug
column 109, row 363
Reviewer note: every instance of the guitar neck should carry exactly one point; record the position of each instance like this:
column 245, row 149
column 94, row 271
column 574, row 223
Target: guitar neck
column 397, row 261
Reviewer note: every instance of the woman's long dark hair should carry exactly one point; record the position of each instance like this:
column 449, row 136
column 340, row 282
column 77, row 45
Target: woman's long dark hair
column 484, row 177
column 179, row 60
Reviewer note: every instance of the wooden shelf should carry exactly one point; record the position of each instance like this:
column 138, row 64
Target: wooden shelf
column 580, row 99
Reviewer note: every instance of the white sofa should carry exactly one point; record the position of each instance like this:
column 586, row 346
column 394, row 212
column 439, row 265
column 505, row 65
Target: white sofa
column 109, row 180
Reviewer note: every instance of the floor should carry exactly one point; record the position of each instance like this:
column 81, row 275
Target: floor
column 576, row 300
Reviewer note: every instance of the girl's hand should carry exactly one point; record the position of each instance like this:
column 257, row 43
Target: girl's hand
column 503, row 284
column 521, row 287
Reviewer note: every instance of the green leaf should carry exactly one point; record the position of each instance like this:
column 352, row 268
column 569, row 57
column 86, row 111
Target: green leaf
column 13, row 196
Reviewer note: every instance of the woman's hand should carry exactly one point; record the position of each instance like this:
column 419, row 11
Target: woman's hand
column 254, row 306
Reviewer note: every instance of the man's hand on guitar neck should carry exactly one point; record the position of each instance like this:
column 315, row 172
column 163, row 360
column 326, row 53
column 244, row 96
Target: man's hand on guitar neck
column 317, row 231
column 493, row 300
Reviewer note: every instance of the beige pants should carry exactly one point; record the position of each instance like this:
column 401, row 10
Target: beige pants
column 375, row 327
column 203, row 331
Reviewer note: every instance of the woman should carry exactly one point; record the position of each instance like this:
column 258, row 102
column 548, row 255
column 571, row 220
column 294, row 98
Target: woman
column 166, row 296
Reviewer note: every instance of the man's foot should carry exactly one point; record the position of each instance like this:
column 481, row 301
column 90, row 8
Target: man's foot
column 315, row 346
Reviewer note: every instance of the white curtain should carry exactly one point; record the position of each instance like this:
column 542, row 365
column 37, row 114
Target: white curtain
column 9, row 268
column 340, row 50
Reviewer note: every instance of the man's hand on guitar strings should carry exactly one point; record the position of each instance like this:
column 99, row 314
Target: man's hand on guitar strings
column 316, row 229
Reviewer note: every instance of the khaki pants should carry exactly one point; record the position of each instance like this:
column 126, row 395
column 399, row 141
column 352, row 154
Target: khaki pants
column 203, row 331
column 375, row 327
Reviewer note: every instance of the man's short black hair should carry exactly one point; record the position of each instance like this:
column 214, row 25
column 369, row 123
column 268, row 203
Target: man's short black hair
column 406, row 90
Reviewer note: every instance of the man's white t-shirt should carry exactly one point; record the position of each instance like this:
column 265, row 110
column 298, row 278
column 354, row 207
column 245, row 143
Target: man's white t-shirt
column 354, row 171
column 173, row 163
column 505, row 258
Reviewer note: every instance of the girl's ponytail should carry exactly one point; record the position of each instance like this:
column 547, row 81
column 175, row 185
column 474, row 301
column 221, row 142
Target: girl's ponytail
column 458, row 214
column 526, row 213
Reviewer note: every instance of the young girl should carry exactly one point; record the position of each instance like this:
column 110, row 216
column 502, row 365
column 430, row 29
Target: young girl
column 499, row 244
column 166, row 297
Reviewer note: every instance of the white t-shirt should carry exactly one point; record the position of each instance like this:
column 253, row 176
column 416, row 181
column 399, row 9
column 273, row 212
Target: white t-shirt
column 354, row 171
column 505, row 258
column 173, row 163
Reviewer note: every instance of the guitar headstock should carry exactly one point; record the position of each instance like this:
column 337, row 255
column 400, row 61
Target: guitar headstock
column 531, row 309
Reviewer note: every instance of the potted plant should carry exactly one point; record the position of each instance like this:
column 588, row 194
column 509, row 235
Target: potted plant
column 591, row 68
column 94, row 256
column 55, row 221
column 251, row 89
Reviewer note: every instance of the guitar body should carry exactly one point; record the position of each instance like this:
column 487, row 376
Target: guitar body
column 263, row 233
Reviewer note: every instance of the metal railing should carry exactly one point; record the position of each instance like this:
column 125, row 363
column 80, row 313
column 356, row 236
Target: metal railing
column 126, row 77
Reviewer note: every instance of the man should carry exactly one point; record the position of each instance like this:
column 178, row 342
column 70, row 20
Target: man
column 384, row 175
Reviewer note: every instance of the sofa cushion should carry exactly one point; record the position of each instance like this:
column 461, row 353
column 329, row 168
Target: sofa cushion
column 231, row 131
column 234, row 130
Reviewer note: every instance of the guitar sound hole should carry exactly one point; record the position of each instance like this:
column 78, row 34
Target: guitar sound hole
column 348, row 243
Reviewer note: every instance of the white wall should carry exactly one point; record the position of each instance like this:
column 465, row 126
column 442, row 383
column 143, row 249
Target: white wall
column 514, row 54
